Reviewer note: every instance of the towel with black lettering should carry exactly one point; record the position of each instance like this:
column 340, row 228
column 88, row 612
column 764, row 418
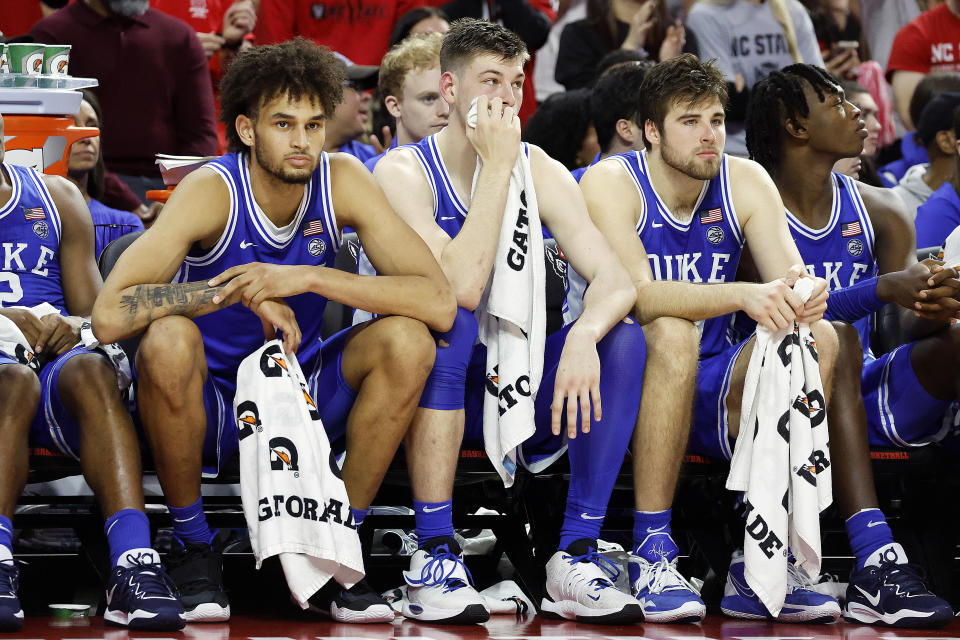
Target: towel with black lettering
column 513, row 322
column 293, row 496
column 782, row 458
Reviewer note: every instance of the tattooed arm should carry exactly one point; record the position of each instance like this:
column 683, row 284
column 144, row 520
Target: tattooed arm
column 137, row 292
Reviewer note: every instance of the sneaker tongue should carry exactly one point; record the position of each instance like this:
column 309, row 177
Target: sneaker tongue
column 891, row 553
column 435, row 543
column 138, row 556
column 581, row 547
column 658, row 546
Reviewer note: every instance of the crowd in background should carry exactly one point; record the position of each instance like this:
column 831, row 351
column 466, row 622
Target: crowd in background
column 158, row 69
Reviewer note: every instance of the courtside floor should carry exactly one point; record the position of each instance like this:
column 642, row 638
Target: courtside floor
column 498, row 628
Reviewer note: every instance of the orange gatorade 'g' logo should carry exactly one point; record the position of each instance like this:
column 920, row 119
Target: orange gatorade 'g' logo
column 37, row 65
column 62, row 66
column 272, row 362
column 248, row 419
column 283, row 455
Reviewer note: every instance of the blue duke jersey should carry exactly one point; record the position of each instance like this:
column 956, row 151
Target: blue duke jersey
column 30, row 242
column 705, row 249
column 842, row 252
column 312, row 238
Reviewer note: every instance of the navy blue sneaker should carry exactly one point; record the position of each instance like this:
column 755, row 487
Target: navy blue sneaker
column 890, row 592
column 142, row 595
column 802, row 604
column 11, row 613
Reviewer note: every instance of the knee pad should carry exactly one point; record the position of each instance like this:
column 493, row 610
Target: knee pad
column 446, row 385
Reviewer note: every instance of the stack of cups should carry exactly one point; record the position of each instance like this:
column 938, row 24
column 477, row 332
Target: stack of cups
column 30, row 60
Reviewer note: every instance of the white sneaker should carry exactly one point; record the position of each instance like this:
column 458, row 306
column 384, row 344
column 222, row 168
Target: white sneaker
column 664, row 594
column 439, row 586
column 578, row 588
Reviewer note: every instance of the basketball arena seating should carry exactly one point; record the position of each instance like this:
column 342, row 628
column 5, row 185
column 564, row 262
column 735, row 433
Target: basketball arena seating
column 910, row 484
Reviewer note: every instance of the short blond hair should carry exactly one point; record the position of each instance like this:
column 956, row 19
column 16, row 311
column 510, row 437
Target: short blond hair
column 413, row 54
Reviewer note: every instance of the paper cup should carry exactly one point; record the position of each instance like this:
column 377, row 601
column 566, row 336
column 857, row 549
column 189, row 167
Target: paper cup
column 25, row 58
column 70, row 610
column 55, row 59
column 4, row 67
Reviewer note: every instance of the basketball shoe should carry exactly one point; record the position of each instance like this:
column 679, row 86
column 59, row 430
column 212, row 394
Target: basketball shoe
column 664, row 594
column 11, row 613
column 579, row 588
column 892, row 593
column 439, row 586
column 358, row 604
column 197, row 570
column 802, row 603
column 142, row 595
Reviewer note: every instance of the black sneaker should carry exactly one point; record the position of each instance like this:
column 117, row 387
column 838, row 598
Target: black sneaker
column 197, row 570
column 358, row 604
column 11, row 613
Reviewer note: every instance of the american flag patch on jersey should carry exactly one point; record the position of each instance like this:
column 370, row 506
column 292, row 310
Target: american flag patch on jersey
column 709, row 217
column 34, row 213
column 313, row 227
column 850, row 229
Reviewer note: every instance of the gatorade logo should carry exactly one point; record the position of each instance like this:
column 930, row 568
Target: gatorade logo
column 34, row 63
column 272, row 363
column 248, row 419
column 58, row 64
column 283, row 454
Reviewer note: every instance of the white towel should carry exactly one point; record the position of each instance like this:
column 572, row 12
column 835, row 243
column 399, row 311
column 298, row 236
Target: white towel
column 14, row 344
column 294, row 499
column 782, row 459
column 513, row 322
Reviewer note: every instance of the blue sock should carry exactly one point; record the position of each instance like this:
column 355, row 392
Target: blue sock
column 583, row 517
column 358, row 516
column 126, row 529
column 868, row 531
column 6, row 537
column 433, row 519
column 190, row 523
column 652, row 537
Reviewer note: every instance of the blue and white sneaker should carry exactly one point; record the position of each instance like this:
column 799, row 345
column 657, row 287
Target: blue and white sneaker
column 11, row 613
column 440, row 587
column 580, row 587
column 888, row 591
column 142, row 596
column 664, row 594
column 802, row 603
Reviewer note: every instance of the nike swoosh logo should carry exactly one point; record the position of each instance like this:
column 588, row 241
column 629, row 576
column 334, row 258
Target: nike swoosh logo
column 588, row 517
column 244, row 244
column 655, row 225
column 873, row 600
column 448, row 217
column 657, row 529
column 110, row 594
column 741, row 587
column 432, row 509
column 874, row 524
column 594, row 598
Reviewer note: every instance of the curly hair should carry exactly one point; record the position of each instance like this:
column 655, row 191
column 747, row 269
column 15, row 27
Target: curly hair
column 297, row 68
column 681, row 80
column 469, row 38
column 776, row 100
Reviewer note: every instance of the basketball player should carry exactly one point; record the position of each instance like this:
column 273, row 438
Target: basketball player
column 65, row 398
column 678, row 215
column 268, row 218
column 861, row 241
column 429, row 184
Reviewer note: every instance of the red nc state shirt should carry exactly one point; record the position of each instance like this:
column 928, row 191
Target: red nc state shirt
column 358, row 29
column 928, row 43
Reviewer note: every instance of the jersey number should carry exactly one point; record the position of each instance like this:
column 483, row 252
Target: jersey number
column 10, row 290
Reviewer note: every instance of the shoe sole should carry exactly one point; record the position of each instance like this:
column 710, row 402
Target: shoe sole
column 570, row 610
column 905, row 618
column 370, row 615
column 208, row 612
column 471, row 614
column 683, row 614
column 144, row 621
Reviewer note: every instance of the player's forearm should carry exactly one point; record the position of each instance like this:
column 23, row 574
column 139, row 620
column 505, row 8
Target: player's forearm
column 468, row 258
column 415, row 296
column 609, row 297
column 129, row 312
column 691, row 301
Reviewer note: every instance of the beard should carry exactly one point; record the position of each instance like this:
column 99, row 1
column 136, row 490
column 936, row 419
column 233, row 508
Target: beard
column 128, row 8
column 282, row 173
column 694, row 167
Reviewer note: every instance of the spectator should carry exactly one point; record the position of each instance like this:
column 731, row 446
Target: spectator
column 912, row 151
column 613, row 109
column 864, row 166
column 561, row 126
column 19, row 16
column 935, row 133
column 546, row 63
column 349, row 120
column 881, row 20
column 85, row 169
column 529, row 19
column 359, row 29
column 611, row 24
column 417, row 22
column 410, row 85
column 929, row 43
column 154, row 83
column 749, row 39
column 940, row 214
